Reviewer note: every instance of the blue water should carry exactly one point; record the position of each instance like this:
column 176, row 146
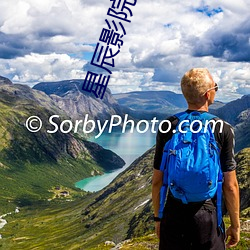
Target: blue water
column 129, row 146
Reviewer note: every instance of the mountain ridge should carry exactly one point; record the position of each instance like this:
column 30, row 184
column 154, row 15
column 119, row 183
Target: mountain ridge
column 58, row 159
column 76, row 103
column 4, row 80
column 120, row 211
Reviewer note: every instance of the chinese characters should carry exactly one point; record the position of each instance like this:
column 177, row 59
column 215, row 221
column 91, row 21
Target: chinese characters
column 108, row 47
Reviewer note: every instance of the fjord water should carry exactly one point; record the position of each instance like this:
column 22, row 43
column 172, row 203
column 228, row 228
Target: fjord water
column 128, row 146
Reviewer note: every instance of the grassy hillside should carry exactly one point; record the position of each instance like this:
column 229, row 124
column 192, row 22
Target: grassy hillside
column 86, row 222
column 121, row 211
column 243, row 175
column 32, row 163
column 38, row 172
column 54, row 225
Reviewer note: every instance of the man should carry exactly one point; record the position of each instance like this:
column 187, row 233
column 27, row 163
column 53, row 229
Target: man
column 194, row 225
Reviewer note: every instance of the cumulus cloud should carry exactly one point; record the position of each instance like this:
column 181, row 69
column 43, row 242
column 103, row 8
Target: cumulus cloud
column 163, row 41
column 34, row 68
column 47, row 26
column 231, row 45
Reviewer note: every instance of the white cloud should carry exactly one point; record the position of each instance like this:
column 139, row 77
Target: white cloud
column 160, row 44
column 35, row 68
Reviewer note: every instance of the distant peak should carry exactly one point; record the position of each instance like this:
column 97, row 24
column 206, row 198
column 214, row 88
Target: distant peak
column 4, row 80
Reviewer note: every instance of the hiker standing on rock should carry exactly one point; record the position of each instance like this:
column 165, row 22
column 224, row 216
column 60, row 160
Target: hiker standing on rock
column 193, row 165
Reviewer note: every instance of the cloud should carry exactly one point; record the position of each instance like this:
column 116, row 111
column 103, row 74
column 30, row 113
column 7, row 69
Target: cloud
column 163, row 41
column 34, row 68
column 231, row 45
column 47, row 27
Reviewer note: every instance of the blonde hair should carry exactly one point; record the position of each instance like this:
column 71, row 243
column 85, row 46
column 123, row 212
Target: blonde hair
column 195, row 83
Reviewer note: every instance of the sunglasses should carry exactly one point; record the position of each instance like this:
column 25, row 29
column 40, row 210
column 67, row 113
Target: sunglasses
column 216, row 87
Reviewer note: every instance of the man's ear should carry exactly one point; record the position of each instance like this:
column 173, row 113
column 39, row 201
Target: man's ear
column 207, row 95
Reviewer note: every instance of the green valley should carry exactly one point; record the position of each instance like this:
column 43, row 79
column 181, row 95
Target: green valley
column 32, row 163
column 38, row 172
column 123, row 210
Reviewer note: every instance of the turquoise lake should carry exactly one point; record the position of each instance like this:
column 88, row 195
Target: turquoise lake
column 129, row 146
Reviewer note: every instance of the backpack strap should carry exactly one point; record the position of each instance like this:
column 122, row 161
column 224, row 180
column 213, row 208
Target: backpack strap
column 182, row 115
column 208, row 116
column 164, row 188
column 164, row 169
column 219, row 200
column 163, row 194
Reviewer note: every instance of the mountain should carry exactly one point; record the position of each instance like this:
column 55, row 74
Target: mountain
column 38, row 166
column 122, row 210
column 237, row 114
column 232, row 110
column 77, row 103
column 138, row 105
column 216, row 105
column 32, row 163
column 4, row 80
column 149, row 104
column 243, row 175
column 242, row 130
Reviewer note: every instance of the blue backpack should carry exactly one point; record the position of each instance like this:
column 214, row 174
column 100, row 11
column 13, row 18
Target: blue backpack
column 191, row 162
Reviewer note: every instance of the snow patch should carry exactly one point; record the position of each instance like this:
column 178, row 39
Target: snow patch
column 2, row 223
column 142, row 204
column 143, row 186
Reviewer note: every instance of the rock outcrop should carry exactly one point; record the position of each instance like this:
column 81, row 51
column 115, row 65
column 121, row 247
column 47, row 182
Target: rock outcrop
column 76, row 103
column 4, row 80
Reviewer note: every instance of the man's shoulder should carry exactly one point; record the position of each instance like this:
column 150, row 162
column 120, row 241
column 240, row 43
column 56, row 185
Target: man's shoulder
column 220, row 124
column 227, row 127
column 172, row 119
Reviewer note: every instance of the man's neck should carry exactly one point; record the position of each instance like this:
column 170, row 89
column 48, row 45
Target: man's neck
column 198, row 107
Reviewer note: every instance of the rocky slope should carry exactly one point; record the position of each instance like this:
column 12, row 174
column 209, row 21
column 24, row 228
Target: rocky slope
column 242, row 130
column 123, row 210
column 76, row 103
column 232, row 110
column 4, row 80
column 31, row 163
column 237, row 114
column 126, row 206
column 243, row 175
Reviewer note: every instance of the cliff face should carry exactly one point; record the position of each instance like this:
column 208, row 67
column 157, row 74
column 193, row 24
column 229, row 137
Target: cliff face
column 237, row 114
column 69, row 97
column 232, row 110
column 242, row 130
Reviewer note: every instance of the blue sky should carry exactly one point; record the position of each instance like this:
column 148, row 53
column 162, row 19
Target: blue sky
column 54, row 40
